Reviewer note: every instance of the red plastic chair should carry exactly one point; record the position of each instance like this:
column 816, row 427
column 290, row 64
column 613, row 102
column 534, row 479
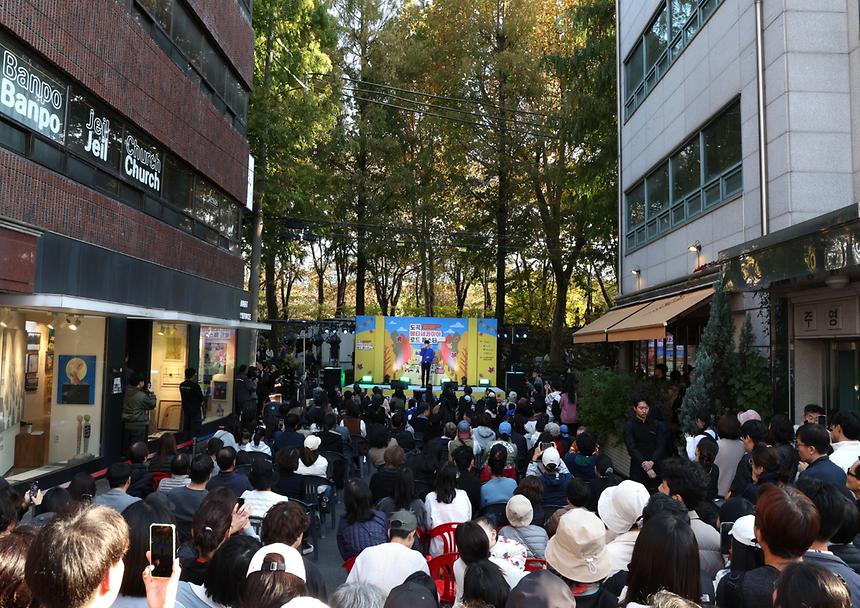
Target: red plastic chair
column 534, row 563
column 348, row 564
column 446, row 532
column 156, row 479
column 442, row 572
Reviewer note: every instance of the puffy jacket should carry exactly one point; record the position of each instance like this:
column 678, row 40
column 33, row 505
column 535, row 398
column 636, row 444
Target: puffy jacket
column 554, row 488
column 136, row 405
column 352, row 539
column 533, row 538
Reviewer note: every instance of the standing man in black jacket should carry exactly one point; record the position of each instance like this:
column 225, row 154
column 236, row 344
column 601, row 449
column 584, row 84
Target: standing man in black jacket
column 645, row 439
column 193, row 403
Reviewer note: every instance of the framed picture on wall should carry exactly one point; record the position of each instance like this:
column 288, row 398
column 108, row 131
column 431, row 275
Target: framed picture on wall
column 34, row 340
column 32, row 363
column 76, row 384
column 31, row 382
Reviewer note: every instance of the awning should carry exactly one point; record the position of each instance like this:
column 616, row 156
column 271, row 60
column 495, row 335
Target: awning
column 645, row 321
column 596, row 330
column 650, row 322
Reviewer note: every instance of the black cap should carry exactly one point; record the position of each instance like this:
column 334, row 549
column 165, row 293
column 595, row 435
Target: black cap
column 541, row 588
column 410, row 594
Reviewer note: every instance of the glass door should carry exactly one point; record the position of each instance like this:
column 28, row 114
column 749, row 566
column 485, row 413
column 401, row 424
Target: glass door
column 845, row 376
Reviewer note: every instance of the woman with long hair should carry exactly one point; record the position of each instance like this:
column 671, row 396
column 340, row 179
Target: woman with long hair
column 706, row 452
column 666, row 556
column 361, row 525
column 446, row 504
column 499, row 488
column 404, row 498
column 164, row 454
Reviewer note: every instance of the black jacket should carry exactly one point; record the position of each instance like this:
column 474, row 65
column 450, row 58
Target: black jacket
column 192, row 399
column 849, row 553
column 141, row 481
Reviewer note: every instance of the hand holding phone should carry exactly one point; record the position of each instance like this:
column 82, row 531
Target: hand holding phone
column 162, row 549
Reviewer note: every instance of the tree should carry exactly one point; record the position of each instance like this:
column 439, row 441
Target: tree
column 750, row 380
column 710, row 387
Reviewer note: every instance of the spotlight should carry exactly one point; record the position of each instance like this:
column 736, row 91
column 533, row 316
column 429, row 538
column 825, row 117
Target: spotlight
column 695, row 247
column 636, row 270
column 160, row 331
column 73, row 323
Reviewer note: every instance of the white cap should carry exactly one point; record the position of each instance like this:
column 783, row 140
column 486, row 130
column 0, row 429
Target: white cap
column 551, row 456
column 743, row 531
column 312, row 442
column 621, row 506
column 293, row 562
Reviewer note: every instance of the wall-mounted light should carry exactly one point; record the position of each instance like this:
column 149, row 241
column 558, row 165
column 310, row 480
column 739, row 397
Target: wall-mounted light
column 636, row 270
column 55, row 321
column 73, row 323
column 695, row 247
column 160, row 331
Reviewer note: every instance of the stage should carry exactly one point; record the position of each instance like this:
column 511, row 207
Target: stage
column 415, row 390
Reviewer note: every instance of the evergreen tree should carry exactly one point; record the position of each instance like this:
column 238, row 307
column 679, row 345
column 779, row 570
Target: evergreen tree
column 750, row 381
column 713, row 364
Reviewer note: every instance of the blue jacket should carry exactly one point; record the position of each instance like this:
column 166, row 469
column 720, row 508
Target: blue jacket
column 555, row 488
column 352, row 539
column 825, row 470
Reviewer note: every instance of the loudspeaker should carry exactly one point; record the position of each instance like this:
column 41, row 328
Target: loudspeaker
column 451, row 384
column 515, row 381
column 332, row 377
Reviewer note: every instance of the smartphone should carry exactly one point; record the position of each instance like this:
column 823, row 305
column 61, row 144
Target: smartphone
column 87, row 498
column 162, row 549
column 240, row 503
column 34, row 489
column 726, row 537
column 822, row 420
column 546, row 444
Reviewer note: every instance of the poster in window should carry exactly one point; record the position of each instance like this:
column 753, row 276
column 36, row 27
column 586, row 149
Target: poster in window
column 77, row 380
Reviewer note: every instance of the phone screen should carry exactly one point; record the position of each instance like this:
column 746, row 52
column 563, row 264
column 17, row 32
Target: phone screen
column 240, row 502
column 725, row 537
column 162, row 549
column 546, row 444
column 34, row 489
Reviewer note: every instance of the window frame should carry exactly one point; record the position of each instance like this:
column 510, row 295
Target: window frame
column 698, row 201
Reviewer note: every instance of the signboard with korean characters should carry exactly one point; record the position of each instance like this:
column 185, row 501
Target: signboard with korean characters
column 831, row 318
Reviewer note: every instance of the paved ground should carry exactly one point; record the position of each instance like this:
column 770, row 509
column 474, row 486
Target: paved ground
column 329, row 557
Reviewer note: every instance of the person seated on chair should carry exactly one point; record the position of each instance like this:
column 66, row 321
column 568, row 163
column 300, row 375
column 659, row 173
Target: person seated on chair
column 311, row 463
column 179, row 468
column 401, row 434
column 499, row 488
column 263, row 476
column 389, row 564
column 119, row 480
column 141, row 479
column 382, row 482
column 330, row 439
column 474, row 546
column 227, row 475
column 361, row 526
column 289, row 437
column 521, row 528
column 289, row 483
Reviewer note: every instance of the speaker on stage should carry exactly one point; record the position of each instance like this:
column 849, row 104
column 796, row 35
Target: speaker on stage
column 515, row 381
column 450, row 384
column 332, row 378
column 395, row 384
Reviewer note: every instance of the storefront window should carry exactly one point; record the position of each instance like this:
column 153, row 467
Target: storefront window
column 52, row 374
column 169, row 360
column 217, row 364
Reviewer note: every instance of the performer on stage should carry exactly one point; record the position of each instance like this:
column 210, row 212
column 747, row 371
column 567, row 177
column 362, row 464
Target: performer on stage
column 427, row 355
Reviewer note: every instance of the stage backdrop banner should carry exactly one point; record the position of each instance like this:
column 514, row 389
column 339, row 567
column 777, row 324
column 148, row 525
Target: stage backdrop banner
column 390, row 346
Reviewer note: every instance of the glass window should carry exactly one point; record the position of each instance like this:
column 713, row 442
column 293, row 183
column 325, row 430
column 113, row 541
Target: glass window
column 636, row 206
column 634, row 69
column 206, row 203
column 53, row 379
column 656, row 38
column 188, row 37
column 178, row 181
column 167, row 370
column 680, row 13
column 160, row 11
column 722, row 142
column 213, row 68
column 658, row 190
column 217, row 360
column 685, row 170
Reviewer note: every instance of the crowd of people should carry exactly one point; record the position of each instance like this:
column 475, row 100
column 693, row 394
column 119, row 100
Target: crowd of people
column 477, row 501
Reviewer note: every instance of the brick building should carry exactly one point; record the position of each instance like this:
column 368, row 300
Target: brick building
column 123, row 181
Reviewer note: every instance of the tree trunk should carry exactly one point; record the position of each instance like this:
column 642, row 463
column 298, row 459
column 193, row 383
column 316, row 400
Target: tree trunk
column 559, row 315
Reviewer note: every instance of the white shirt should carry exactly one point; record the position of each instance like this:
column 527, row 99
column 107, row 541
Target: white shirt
column 227, row 438
column 439, row 513
column 845, row 453
column 386, row 566
column 511, row 573
column 260, row 501
column 318, row 468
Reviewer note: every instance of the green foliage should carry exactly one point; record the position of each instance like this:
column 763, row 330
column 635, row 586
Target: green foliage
column 725, row 379
column 605, row 399
column 750, row 381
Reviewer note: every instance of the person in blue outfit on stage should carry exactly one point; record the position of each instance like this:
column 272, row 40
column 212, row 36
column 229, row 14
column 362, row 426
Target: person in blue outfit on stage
column 427, row 355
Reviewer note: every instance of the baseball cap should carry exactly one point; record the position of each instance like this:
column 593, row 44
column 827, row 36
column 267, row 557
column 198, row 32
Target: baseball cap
column 550, row 458
column 743, row 531
column 541, row 588
column 564, row 430
column 411, row 594
column 505, row 428
column 464, row 430
column 312, row 442
column 293, row 562
column 403, row 521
